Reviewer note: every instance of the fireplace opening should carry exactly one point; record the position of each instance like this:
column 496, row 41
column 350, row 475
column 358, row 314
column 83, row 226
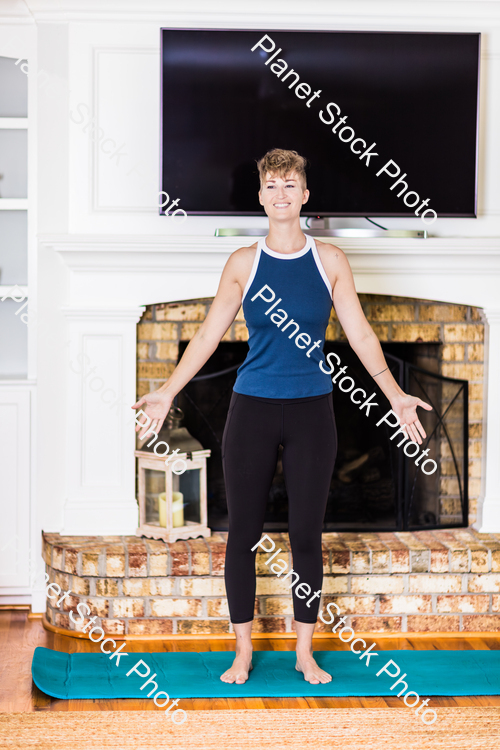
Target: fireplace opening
column 375, row 486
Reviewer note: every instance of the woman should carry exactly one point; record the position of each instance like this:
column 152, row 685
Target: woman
column 281, row 396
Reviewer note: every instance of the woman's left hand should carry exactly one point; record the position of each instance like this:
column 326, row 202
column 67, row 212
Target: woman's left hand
column 405, row 407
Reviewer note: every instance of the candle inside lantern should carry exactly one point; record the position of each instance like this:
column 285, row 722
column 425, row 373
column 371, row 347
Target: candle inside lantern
column 177, row 509
column 162, row 508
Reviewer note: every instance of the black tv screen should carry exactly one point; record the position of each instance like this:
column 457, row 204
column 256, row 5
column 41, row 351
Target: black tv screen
column 411, row 98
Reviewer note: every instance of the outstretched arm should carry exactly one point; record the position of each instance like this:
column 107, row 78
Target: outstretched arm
column 367, row 346
column 222, row 312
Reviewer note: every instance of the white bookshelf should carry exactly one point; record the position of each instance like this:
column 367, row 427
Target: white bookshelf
column 13, row 123
column 13, row 204
column 14, row 218
column 17, row 341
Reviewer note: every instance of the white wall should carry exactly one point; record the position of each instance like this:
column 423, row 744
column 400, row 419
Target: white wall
column 112, row 67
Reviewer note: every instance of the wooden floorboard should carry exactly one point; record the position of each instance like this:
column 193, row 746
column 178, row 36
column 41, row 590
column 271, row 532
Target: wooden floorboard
column 19, row 637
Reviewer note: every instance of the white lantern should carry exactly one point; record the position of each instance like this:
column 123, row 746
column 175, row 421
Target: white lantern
column 173, row 505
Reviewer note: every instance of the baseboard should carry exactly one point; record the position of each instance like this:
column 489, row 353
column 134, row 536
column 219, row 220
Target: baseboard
column 15, row 606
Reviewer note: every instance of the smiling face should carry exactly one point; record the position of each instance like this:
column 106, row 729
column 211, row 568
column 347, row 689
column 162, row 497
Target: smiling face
column 283, row 198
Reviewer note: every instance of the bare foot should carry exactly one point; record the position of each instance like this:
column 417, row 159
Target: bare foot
column 238, row 671
column 312, row 673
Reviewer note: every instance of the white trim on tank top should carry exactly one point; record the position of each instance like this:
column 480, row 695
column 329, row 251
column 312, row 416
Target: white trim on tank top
column 287, row 256
column 321, row 269
column 255, row 265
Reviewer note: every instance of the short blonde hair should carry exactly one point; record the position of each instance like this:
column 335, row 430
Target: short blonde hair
column 282, row 162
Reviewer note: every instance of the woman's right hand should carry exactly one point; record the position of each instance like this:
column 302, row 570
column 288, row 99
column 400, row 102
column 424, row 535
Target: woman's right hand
column 157, row 405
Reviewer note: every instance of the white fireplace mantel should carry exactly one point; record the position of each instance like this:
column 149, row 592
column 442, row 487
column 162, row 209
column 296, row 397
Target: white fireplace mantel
column 109, row 279
column 450, row 269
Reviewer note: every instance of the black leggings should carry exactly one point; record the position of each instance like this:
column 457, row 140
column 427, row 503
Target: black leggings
column 255, row 427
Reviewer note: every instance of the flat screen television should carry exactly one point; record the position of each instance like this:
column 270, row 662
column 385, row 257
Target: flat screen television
column 228, row 96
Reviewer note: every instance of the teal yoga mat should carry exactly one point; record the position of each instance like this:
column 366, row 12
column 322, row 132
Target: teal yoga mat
column 196, row 675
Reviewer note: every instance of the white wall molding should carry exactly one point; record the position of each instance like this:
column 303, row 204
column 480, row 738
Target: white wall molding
column 163, row 269
column 15, row 486
column 100, row 436
column 358, row 12
column 102, row 86
column 122, row 314
column 488, row 512
column 440, row 247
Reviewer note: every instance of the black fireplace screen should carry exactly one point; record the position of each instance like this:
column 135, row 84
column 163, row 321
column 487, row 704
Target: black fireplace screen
column 375, row 486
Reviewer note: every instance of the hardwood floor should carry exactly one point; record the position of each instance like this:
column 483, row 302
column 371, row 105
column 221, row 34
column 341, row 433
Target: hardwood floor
column 19, row 637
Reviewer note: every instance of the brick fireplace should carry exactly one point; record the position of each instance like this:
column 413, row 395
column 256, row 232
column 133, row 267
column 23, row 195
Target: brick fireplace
column 444, row 581
column 457, row 328
column 127, row 305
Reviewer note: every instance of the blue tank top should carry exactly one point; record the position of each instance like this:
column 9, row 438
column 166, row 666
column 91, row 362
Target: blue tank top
column 286, row 303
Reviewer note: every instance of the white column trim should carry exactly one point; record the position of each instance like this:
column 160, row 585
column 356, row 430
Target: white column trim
column 125, row 314
column 100, row 438
column 488, row 512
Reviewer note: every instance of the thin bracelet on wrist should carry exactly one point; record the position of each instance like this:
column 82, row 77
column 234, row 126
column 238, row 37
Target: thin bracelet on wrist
column 379, row 373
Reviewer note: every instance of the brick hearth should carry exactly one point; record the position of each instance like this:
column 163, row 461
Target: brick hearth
column 443, row 581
